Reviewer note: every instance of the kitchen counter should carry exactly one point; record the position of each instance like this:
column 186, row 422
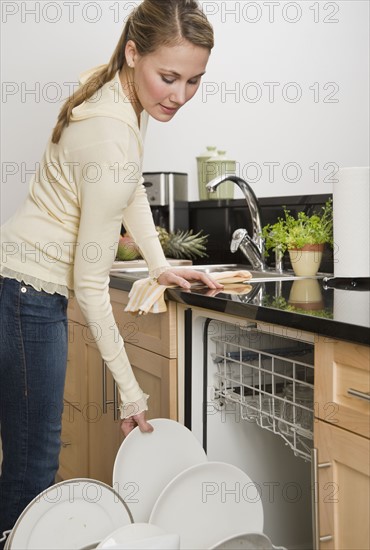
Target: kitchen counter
column 300, row 304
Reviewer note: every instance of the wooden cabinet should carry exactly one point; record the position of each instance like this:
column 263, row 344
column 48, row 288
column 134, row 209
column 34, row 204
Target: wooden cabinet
column 342, row 390
column 158, row 375
column 341, row 435
column 154, row 332
column 91, row 433
column 343, row 488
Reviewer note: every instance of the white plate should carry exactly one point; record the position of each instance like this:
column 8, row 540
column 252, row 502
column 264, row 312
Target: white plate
column 140, row 536
column 146, row 462
column 207, row 503
column 72, row 514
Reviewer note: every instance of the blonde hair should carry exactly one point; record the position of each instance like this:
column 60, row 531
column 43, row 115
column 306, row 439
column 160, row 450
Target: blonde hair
column 154, row 23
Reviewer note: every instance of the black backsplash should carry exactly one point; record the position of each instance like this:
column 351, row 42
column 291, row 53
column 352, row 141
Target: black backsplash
column 220, row 218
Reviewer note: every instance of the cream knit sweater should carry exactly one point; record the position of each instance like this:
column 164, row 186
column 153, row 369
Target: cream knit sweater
column 65, row 234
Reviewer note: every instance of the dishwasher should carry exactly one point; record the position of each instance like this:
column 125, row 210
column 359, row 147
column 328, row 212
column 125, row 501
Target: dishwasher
column 247, row 396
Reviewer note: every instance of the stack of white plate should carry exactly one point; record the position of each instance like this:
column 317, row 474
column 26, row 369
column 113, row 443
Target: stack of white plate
column 165, row 495
column 176, row 488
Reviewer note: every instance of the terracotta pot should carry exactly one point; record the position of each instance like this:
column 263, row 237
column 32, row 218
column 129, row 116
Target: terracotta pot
column 306, row 261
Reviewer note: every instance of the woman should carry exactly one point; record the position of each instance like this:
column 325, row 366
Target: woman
column 66, row 233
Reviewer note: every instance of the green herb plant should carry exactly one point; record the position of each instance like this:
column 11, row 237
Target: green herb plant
column 281, row 303
column 289, row 233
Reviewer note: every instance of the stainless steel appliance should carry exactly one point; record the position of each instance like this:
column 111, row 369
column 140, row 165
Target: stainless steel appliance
column 168, row 198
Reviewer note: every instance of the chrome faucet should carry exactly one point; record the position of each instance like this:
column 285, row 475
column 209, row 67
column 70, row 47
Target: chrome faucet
column 252, row 247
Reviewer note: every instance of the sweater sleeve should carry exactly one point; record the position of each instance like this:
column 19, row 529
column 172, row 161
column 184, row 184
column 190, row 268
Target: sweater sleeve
column 107, row 188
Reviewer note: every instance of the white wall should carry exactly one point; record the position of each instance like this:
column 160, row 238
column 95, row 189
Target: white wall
column 314, row 118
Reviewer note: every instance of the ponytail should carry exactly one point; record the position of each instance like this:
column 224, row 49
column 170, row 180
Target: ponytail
column 91, row 86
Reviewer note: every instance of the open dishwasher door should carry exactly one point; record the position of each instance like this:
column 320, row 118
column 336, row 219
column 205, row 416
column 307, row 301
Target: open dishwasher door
column 248, row 397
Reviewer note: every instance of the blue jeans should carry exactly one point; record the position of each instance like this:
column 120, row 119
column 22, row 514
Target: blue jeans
column 33, row 359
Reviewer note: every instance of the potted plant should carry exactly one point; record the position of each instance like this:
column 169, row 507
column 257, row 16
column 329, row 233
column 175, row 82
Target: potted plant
column 304, row 237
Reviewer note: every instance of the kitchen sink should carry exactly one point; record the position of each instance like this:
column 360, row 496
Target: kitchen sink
column 257, row 276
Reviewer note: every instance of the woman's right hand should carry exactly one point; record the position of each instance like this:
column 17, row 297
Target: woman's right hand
column 182, row 276
column 128, row 424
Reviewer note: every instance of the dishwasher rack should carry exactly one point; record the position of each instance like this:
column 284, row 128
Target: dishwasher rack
column 270, row 378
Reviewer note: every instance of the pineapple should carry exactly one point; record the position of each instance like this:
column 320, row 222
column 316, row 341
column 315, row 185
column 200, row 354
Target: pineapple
column 178, row 244
column 182, row 244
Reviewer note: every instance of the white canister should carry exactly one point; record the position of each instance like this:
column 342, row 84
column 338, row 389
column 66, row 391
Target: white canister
column 351, row 215
column 218, row 166
column 352, row 307
column 211, row 152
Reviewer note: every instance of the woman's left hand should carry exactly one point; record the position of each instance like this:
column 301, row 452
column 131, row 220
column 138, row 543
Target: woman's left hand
column 128, row 424
column 182, row 276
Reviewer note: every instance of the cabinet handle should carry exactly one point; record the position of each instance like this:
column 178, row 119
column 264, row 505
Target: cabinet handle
column 326, row 538
column 104, row 386
column 359, row 394
column 66, row 444
column 105, row 401
column 115, row 401
column 324, row 465
column 315, row 500
column 315, row 505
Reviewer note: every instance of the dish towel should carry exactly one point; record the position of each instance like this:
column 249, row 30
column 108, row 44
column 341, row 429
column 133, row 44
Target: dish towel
column 147, row 296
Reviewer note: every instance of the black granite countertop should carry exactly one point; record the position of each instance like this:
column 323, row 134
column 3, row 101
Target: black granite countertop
column 303, row 304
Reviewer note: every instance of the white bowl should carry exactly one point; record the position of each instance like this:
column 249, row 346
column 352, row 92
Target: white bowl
column 140, row 536
column 246, row 541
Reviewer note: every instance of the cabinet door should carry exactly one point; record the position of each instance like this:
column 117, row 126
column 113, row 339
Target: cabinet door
column 102, row 417
column 342, row 385
column 155, row 331
column 73, row 455
column 343, row 488
column 157, row 376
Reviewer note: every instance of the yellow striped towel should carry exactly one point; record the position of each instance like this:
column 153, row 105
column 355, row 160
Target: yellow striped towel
column 147, row 295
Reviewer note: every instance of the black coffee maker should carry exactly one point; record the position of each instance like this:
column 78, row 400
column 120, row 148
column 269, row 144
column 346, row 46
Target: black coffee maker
column 168, row 198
